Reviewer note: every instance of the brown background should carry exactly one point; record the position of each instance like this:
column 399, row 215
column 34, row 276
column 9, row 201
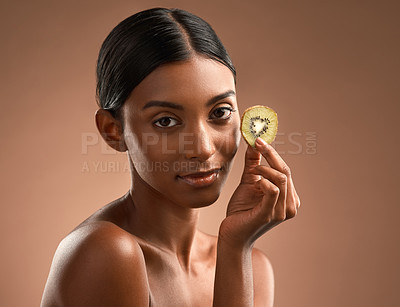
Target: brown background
column 329, row 68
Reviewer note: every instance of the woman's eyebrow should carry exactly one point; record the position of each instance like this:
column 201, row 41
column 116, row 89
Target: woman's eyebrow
column 159, row 103
column 167, row 104
column 220, row 96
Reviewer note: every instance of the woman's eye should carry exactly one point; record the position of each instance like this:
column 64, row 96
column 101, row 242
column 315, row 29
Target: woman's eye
column 222, row 113
column 166, row 122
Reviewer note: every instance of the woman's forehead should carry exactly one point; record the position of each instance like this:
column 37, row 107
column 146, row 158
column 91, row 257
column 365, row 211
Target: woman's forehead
column 197, row 78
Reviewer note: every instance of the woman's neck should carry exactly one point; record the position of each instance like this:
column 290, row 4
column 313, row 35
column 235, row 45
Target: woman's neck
column 160, row 222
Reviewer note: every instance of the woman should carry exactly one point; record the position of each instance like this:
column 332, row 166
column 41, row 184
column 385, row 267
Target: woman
column 166, row 90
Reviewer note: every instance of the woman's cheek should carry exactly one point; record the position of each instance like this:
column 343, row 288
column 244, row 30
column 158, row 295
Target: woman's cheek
column 234, row 134
column 227, row 143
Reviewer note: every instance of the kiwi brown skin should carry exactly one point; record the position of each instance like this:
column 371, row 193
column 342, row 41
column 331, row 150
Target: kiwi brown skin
column 241, row 121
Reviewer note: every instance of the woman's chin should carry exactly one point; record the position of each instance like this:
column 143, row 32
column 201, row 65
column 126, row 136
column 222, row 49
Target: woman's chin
column 200, row 201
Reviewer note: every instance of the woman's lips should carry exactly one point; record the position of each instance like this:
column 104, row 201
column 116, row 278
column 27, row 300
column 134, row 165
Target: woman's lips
column 200, row 179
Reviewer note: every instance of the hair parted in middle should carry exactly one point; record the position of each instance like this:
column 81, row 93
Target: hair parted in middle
column 144, row 41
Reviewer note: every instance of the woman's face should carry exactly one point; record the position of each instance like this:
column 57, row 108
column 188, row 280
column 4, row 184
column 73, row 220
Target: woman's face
column 181, row 128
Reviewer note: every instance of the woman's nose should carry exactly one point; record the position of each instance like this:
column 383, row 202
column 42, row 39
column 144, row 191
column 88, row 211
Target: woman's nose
column 198, row 144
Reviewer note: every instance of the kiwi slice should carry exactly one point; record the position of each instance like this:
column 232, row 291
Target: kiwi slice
column 259, row 121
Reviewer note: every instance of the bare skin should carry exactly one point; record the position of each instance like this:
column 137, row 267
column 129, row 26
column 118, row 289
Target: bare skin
column 144, row 249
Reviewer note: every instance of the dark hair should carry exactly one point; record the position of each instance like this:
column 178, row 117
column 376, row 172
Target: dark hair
column 146, row 40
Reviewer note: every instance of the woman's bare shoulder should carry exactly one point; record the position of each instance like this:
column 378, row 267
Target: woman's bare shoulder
column 263, row 277
column 117, row 212
column 97, row 264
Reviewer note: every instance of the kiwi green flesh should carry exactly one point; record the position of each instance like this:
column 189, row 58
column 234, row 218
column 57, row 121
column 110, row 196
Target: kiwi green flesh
column 259, row 121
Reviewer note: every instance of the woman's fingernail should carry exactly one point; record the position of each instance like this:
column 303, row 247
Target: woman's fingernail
column 261, row 142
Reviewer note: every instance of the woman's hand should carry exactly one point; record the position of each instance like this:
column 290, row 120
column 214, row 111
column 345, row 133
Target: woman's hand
column 264, row 198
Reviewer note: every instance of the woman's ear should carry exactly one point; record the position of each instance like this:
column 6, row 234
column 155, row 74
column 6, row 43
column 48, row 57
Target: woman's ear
column 110, row 129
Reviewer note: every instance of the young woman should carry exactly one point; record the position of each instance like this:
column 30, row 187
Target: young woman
column 166, row 90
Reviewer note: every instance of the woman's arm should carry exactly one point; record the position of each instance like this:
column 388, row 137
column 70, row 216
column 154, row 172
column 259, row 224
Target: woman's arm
column 264, row 198
column 233, row 277
column 97, row 265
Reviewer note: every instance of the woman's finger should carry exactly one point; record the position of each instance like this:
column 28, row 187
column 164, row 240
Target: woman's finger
column 291, row 200
column 276, row 162
column 252, row 158
column 279, row 180
column 297, row 201
column 276, row 177
column 269, row 201
column 272, row 157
